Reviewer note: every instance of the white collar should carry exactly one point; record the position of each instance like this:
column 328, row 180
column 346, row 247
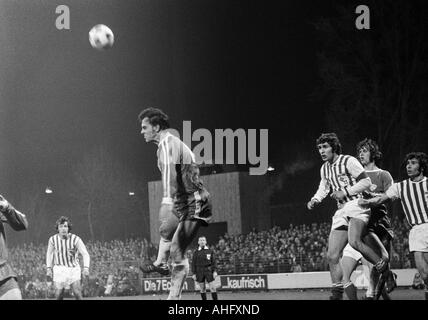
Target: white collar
column 167, row 134
column 205, row 248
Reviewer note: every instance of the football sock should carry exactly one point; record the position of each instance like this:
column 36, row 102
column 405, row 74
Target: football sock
column 350, row 290
column 178, row 277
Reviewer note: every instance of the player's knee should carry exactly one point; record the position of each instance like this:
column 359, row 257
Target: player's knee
column 176, row 254
column 166, row 232
column 333, row 257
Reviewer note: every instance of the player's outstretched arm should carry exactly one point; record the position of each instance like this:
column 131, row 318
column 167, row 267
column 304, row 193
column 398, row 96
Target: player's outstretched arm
column 16, row 219
column 373, row 202
column 391, row 194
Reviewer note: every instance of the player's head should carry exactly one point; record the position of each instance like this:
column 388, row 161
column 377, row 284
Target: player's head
column 202, row 242
column 328, row 145
column 63, row 226
column 152, row 120
column 368, row 152
column 416, row 164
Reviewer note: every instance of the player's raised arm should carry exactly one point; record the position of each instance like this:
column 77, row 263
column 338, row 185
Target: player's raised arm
column 16, row 219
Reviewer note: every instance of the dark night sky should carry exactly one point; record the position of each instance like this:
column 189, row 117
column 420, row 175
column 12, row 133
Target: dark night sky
column 221, row 64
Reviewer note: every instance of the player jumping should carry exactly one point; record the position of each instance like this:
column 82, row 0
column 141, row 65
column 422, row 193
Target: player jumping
column 185, row 203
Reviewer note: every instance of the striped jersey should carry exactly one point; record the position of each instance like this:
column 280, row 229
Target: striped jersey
column 180, row 173
column 414, row 199
column 64, row 251
column 343, row 172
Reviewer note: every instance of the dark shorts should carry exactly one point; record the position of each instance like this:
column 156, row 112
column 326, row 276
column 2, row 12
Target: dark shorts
column 381, row 226
column 8, row 284
column 204, row 275
column 196, row 207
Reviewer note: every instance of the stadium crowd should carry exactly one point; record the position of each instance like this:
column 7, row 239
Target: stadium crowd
column 115, row 264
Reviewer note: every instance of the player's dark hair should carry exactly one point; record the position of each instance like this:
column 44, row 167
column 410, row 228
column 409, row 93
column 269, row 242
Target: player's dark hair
column 371, row 145
column 156, row 117
column 332, row 139
column 63, row 220
column 422, row 159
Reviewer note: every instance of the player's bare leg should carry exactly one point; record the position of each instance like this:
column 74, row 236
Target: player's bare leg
column 357, row 228
column 384, row 281
column 373, row 277
column 348, row 266
column 336, row 243
column 169, row 223
column 77, row 290
column 421, row 261
column 183, row 236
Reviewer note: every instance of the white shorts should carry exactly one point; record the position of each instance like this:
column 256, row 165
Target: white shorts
column 350, row 209
column 418, row 238
column 351, row 253
column 63, row 276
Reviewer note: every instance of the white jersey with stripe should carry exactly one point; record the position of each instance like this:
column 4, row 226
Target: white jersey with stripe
column 64, row 251
column 414, row 199
column 180, row 173
column 343, row 172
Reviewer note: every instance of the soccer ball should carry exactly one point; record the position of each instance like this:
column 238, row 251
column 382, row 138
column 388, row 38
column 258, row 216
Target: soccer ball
column 101, row 37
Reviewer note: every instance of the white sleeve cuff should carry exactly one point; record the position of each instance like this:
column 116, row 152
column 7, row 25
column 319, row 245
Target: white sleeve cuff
column 360, row 186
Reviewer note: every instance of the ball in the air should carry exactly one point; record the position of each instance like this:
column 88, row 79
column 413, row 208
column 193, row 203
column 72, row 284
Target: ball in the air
column 101, row 37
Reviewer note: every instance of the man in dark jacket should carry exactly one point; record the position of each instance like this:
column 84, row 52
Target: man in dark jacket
column 9, row 289
column 204, row 268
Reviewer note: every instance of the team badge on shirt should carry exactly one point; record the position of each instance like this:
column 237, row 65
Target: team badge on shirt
column 208, row 256
column 344, row 180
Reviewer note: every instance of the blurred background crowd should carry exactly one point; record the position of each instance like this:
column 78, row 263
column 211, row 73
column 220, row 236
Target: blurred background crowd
column 115, row 264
